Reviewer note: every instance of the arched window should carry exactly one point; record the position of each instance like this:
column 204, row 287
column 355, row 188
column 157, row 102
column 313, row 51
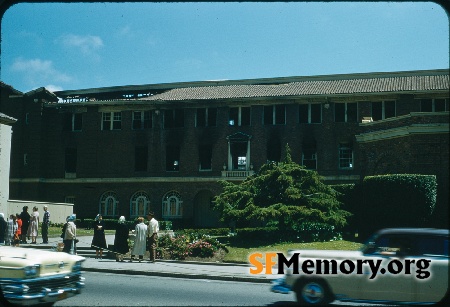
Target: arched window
column 139, row 204
column 172, row 205
column 109, row 204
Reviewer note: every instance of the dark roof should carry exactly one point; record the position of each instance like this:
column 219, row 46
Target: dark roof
column 4, row 85
column 415, row 231
column 343, row 84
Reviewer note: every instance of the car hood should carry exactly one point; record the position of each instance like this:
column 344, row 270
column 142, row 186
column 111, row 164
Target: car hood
column 35, row 256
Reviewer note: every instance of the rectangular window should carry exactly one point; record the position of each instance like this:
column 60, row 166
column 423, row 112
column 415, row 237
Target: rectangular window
column 174, row 118
column 71, row 160
column 142, row 120
column 346, row 112
column 73, row 121
column 172, row 158
column 140, row 158
column 280, row 114
column 206, row 117
column 309, row 158
column 303, row 113
column 432, row 105
column 310, row 113
column 275, row 115
column 239, row 116
column 345, row 156
column 112, row 120
column 205, row 157
column 383, row 109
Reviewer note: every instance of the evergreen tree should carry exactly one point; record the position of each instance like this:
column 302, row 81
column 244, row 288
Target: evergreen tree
column 283, row 193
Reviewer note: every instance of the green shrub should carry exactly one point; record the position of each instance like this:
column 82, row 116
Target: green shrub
column 401, row 200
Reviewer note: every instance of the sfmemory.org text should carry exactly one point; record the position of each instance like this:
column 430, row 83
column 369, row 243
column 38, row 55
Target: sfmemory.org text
column 326, row 266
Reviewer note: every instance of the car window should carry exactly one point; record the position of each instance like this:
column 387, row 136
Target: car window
column 391, row 245
column 432, row 246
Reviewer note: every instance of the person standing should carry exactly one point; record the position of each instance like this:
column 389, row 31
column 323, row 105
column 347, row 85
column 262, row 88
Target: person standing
column 70, row 235
column 3, row 228
column 99, row 240
column 45, row 225
column 152, row 235
column 140, row 240
column 121, row 239
column 12, row 229
column 25, row 217
column 19, row 230
column 33, row 227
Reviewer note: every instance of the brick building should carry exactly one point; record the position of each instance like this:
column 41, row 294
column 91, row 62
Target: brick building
column 125, row 150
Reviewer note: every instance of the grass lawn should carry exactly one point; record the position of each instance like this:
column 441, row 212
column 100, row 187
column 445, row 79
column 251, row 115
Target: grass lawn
column 238, row 250
column 239, row 254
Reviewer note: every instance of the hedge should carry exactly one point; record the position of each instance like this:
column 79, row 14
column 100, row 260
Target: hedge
column 401, row 200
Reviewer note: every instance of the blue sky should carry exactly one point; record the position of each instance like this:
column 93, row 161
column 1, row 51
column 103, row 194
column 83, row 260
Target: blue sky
column 74, row 46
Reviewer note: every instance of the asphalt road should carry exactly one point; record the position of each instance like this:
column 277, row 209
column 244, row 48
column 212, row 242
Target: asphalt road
column 106, row 289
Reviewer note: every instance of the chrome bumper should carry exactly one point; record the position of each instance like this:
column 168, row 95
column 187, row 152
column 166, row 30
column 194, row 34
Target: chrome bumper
column 46, row 295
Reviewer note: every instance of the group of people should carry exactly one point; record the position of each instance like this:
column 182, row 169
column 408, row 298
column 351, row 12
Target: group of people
column 20, row 227
column 146, row 238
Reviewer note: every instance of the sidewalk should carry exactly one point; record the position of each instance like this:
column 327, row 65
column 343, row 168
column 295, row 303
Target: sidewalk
column 165, row 268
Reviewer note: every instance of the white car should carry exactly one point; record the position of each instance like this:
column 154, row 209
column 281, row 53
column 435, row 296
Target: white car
column 31, row 276
column 398, row 265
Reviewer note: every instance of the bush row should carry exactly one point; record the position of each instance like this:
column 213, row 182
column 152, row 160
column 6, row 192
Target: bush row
column 302, row 232
column 186, row 245
column 398, row 200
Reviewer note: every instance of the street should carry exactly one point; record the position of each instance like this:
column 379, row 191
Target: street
column 105, row 289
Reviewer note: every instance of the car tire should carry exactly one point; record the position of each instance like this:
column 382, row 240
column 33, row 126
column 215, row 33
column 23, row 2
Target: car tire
column 313, row 292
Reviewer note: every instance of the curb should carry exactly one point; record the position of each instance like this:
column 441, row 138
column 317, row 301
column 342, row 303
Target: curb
column 179, row 275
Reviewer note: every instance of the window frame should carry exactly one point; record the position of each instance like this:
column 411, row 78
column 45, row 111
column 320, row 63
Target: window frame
column 209, row 118
column 383, row 109
column 112, row 120
column 273, row 117
column 241, row 117
column 145, row 120
column 134, row 205
column 103, row 203
column 433, row 104
column 346, row 110
column 346, row 156
column 310, row 112
column 167, row 205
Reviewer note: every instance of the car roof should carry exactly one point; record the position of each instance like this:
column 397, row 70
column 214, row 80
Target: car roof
column 415, row 231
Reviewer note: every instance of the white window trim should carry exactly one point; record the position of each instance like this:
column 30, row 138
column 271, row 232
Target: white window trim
column 112, row 118
column 166, row 205
column 239, row 123
column 103, row 201
column 383, row 109
column 134, row 203
column 345, row 147
column 346, row 110
column 314, row 159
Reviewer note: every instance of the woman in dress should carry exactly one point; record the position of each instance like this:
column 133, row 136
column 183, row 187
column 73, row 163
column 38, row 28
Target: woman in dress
column 70, row 235
column 121, row 239
column 33, row 227
column 25, row 218
column 140, row 241
column 99, row 240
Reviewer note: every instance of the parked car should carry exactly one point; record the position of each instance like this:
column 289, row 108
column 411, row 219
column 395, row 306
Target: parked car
column 407, row 265
column 30, row 276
